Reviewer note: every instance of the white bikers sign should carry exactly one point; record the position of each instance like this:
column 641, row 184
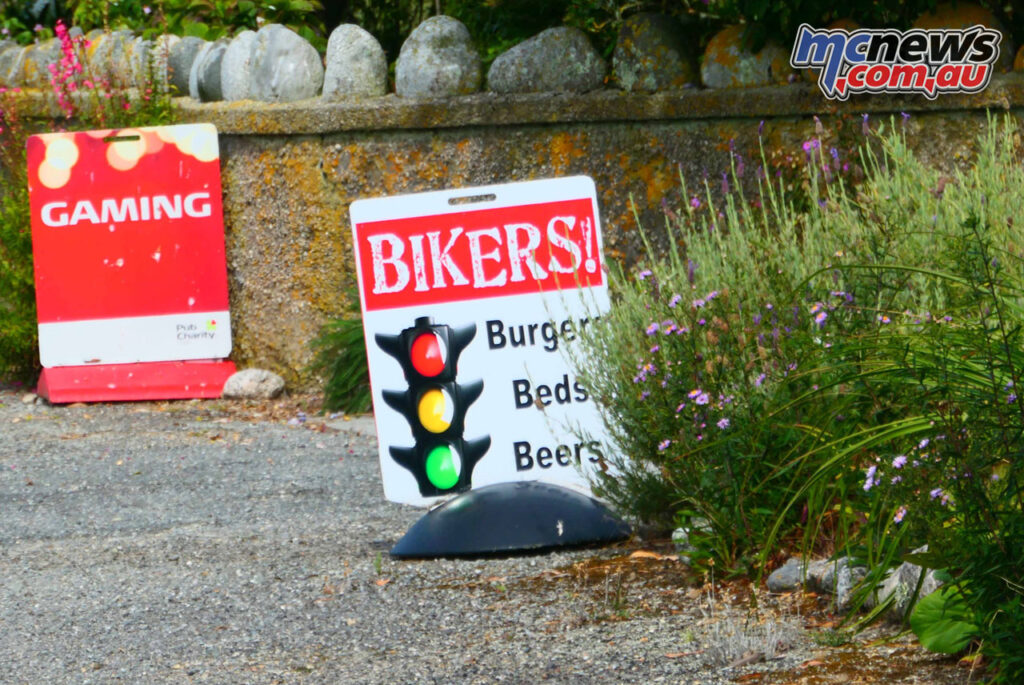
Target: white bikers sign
column 471, row 299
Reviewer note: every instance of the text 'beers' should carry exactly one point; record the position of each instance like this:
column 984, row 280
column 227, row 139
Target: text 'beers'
column 435, row 406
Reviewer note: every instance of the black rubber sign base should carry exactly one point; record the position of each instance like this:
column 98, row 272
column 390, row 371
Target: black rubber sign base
column 508, row 517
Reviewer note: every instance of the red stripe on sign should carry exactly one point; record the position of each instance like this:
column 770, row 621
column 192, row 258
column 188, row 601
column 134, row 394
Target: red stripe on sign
column 479, row 254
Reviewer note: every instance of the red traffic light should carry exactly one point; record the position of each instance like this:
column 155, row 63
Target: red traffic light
column 428, row 354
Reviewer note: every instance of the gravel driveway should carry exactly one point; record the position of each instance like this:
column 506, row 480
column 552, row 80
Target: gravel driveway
column 212, row 542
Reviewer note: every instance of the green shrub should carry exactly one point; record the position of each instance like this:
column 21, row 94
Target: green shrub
column 871, row 409
column 17, row 292
column 340, row 359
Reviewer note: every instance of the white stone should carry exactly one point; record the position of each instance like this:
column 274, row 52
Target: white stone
column 285, row 67
column 356, row 65
column 256, row 384
column 438, row 59
column 236, row 67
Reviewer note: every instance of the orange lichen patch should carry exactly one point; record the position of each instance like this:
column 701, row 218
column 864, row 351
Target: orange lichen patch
column 563, row 148
column 1018, row 62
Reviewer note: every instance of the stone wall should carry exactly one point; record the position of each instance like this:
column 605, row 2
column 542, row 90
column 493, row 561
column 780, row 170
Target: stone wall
column 291, row 170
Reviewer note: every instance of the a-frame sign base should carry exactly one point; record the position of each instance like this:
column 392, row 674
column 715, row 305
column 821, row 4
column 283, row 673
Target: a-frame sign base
column 510, row 517
column 202, row 378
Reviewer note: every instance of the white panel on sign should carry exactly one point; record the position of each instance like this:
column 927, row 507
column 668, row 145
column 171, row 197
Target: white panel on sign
column 471, row 299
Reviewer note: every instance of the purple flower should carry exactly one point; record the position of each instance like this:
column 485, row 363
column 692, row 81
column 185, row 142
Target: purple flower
column 655, row 348
column 644, row 395
column 1011, row 398
column 759, row 380
column 644, row 274
column 820, row 319
column 723, row 424
column 663, row 445
column 682, row 406
column 702, row 399
column 698, row 303
column 695, row 202
column 701, row 321
column 884, row 319
column 757, row 319
column 900, row 513
column 693, row 394
column 739, row 166
column 865, row 128
column 691, row 268
column 760, row 128
column 652, row 329
column 725, row 184
column 675, row 300
column 937, row 492
column 870, row 479
column 906, row 117
column 924, row 443
column 899, row 462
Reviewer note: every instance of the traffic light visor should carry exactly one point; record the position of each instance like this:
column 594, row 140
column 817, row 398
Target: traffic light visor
column 436, row 409
column 428, row 354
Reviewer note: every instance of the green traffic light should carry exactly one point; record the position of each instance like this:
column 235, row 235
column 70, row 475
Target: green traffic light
column 443, row 467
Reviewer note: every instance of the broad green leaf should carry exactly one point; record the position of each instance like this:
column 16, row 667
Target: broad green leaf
column 943, row 622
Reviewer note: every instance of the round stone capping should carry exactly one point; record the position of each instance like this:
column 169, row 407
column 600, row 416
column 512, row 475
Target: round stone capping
column 438, row 59
column 204, row 80
column 12, row 60
column 236, row 67
column 727, row 65
column 285, row 67
column 36, row 70
column 356, row 65
column 182, row 55
column 651, row 54
column 556, row 60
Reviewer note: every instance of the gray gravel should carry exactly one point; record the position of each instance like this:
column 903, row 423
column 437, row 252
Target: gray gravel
column 190, row 542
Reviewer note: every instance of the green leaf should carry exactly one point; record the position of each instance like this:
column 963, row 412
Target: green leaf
column 943, row 622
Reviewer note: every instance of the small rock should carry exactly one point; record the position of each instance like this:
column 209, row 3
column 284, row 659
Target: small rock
column 285, row 67
column 556, row 60
column 650, row 54
column 681, row 538
column 787, row 578
column 256, row 384
column 236, row 67
column 900, row 584
column 438, row 59
column 204, row 80
column 727, row 65
column 29, row 398
column 356, row 65
column 180, row 59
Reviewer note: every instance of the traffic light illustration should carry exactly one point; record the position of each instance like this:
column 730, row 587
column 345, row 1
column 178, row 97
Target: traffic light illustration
column 435, row 406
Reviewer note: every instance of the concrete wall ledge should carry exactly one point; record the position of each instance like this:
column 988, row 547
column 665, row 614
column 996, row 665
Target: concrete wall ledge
column 391, row 112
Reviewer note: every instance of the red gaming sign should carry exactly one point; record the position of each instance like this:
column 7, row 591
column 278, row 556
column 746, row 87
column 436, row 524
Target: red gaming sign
column 128, row 242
